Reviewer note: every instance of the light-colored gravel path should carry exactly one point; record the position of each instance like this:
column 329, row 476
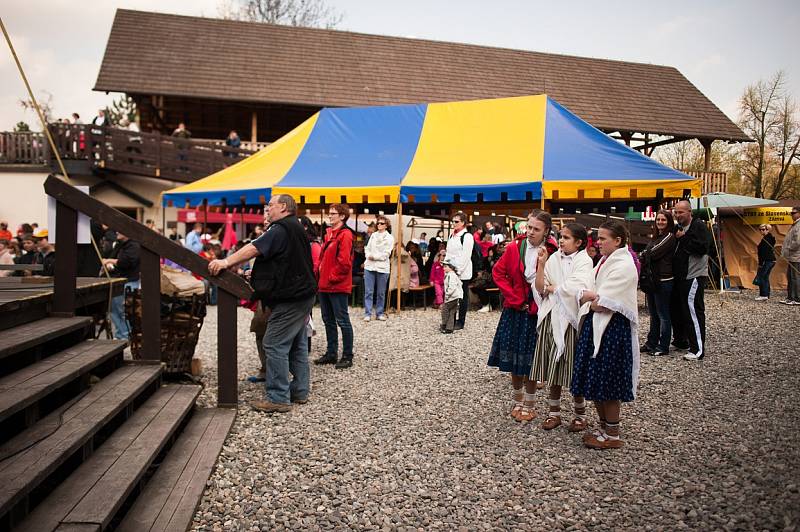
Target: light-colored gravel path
column 415, row 436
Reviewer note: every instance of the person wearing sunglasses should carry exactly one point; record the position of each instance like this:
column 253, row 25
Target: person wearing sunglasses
column 459, row 253
column 766, row 261
column 376, row 269
column 791, row 252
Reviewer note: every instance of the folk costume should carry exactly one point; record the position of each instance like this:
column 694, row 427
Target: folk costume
column 607, row 354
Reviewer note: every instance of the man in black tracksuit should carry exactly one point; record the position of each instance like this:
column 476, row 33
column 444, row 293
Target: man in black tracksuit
column 690, row 268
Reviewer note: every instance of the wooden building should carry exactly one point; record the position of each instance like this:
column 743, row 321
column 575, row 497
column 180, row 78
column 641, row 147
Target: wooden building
column 265, row 79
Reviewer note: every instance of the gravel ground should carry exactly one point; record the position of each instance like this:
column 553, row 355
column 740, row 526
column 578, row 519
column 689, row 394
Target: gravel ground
column 416, row 436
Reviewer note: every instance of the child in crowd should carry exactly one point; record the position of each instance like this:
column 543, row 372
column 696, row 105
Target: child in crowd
column 558, row 283
column 515, row 339
column 453, row 292
column 437, row 277
column 606, row 368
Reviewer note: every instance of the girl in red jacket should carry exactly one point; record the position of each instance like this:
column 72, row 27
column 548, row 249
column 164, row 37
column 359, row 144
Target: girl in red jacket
column 335, row 277
column 515, row 339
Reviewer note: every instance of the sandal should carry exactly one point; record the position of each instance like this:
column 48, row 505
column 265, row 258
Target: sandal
column 551, row 422
column 516, row 409
column 578, row 425
column 528, row 413
column 602, row 442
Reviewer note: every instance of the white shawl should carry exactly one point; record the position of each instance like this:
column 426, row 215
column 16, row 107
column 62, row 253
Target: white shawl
column 615, row 284
column 565, row 301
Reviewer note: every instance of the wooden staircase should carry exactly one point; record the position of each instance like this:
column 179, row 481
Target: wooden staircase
column 89, row 442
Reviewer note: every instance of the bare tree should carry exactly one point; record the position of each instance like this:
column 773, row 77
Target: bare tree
column 768, row 114
column 45, row 102
column 308, row 13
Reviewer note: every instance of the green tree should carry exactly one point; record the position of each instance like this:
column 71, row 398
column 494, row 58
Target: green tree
column 22, row 127
column 122, row 111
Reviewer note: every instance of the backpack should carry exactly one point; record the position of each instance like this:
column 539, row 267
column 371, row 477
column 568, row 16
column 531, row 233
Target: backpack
column 476, row 258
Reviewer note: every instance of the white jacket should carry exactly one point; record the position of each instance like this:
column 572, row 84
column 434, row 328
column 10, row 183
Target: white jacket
column 453, row 287
column 379, row 247
column 461, row 256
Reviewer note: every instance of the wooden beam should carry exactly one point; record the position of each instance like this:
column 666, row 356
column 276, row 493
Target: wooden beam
column 150, row 272
column 66, row 268
column 164, row 247
column 254, row 128
column 706, row 143
column 660, row 143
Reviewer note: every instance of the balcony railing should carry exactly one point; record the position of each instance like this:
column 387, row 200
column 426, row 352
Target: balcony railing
column 712, row 181
column 122, row 150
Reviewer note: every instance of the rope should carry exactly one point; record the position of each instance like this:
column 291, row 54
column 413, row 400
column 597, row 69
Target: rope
column 54, row 150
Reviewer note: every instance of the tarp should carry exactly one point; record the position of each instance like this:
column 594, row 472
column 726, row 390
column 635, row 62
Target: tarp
column 740, row 247
column 503, row 149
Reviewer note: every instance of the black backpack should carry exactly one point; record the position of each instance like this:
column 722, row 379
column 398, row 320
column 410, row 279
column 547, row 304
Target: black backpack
column 476, row 258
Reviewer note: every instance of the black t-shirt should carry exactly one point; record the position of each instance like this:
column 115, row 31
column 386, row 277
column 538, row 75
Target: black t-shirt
column 272, row 242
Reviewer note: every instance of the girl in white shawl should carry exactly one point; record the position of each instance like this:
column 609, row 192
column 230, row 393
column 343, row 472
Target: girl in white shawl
column 557, row 289
column 606, row 367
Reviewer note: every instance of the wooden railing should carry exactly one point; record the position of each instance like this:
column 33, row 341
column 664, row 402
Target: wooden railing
column 69, row 202
column 122, row 150
column 712, row 181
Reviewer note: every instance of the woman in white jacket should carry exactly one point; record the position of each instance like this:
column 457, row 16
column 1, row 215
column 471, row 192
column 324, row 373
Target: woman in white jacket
column 376, row 269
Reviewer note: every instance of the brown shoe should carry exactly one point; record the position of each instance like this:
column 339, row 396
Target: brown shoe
column 578, row 425
column 602, row 442
column 269, row 407
column 551, row 422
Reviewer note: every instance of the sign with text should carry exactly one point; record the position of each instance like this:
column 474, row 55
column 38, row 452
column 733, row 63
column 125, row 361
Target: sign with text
column 768, row 215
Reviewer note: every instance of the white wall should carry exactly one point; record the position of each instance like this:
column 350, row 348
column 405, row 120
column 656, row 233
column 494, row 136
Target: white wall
column 22, row 199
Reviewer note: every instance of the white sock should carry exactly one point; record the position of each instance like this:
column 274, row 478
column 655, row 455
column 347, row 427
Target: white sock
column 555, row 404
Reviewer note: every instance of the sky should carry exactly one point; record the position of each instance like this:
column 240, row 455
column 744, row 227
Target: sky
column 720, row 46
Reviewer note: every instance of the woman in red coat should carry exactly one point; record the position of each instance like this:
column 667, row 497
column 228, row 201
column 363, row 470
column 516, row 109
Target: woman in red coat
column 515, row 339
column 335, row 283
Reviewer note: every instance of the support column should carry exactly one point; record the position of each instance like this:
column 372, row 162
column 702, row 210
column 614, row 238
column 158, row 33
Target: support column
column 254, row 129
column 706, row 143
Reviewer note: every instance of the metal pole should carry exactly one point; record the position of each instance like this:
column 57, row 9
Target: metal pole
column 399, row 247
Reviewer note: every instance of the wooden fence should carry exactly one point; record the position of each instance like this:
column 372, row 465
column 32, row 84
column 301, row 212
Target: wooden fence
column 122, row 150
column 712, row 181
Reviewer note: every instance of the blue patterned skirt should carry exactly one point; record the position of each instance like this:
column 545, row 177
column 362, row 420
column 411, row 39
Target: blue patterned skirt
column 514, row 342
column 608, row 376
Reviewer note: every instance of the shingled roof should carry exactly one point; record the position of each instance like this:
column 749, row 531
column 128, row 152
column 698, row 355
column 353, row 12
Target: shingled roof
column 172, row 55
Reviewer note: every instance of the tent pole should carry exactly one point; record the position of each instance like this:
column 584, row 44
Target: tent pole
column 399, row 247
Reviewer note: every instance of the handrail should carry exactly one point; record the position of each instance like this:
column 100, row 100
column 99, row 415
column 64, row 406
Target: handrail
column 69, row 202
column 146, row 237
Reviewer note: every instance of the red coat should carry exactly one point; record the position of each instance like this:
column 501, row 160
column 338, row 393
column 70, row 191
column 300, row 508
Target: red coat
column 509, row 276
column 336, row 262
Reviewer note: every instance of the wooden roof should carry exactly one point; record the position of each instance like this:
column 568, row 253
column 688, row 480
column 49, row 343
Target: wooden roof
column 154, row 53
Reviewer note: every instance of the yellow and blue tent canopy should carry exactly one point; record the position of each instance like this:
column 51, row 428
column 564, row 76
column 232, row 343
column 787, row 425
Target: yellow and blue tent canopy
column 506, row 149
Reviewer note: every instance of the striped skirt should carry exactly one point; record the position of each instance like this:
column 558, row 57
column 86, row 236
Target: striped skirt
column 544, row 367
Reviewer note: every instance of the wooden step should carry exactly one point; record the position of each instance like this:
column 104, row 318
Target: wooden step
column 171, row 496
column 34, row 455
column 31, row 383
column 30, row 335
column 95, row 491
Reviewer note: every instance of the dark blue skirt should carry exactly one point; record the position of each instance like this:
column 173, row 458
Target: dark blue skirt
column 608, row 376
column 514, row 342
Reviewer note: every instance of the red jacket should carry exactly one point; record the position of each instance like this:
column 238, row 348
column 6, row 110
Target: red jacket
column 509, row 276
column 335, row 273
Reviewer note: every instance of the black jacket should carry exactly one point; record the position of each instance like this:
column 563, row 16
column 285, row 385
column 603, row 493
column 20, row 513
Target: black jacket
column 660, row 252
column 127, row 254
column 766, row 249
column 287, row 275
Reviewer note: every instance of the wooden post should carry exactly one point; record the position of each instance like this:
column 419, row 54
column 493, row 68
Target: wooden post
column 254, row 129
column 150, row 269
column 66, row 268
column 706, row 143
column 227, row 363
column 399, row 248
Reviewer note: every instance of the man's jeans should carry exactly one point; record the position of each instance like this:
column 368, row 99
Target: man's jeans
column 793, row 275
column 763, row 277
column 121, row 330
column 286, row 351
column 334, row 312
column 463, row 305
column 374, row 285
column 658, row 302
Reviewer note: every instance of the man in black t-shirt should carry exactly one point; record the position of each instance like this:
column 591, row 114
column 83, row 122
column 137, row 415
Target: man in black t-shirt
column 283, row 279
column 124, row 263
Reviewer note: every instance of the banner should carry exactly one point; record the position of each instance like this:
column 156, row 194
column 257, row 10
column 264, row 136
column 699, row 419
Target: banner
column 768, row 215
